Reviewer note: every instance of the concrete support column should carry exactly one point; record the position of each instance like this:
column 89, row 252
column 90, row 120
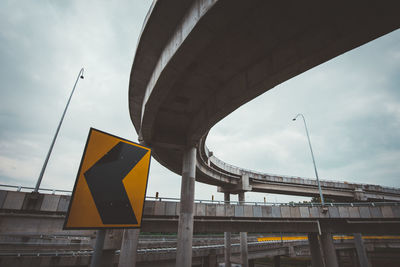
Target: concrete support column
column 185, row 227
column 244, row 254
column 359, row 194
column 107, row 259
column 315, row 250
column 227, row 237
column 277, row 261
column 127, row 257
column 210, row 260
column 98, row 248
column 361, row 251
column 329, row 250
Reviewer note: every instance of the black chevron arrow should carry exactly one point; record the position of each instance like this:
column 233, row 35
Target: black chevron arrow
column 104, row 179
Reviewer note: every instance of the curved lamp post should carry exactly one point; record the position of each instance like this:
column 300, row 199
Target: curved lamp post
column 312, row 155
column 80, row 75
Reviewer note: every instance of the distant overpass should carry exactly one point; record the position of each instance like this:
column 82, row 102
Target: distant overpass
column 237, row 179
column 151, row 254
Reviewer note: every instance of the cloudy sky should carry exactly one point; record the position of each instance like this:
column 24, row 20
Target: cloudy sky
column 351, row 103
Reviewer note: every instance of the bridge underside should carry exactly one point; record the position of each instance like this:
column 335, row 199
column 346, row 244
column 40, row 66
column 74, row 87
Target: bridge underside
column 211, row 57
column 239, row 50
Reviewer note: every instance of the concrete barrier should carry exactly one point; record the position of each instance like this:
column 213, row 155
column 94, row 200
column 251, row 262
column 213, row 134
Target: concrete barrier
column 27, row 212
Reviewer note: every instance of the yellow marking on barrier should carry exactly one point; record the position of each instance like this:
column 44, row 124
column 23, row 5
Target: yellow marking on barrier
column 343, row 237
column 335, row 237
column 284, row 238
column 382, row 237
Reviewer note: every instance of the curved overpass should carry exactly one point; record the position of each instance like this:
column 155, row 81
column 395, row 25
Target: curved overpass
column 199, row 60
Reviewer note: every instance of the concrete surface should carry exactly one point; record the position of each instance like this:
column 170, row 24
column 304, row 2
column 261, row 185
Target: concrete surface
column 163, row 216
column 199, row 60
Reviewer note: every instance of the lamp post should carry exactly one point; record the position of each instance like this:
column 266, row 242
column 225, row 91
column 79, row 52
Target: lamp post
column 312, row 155
column 80, row 75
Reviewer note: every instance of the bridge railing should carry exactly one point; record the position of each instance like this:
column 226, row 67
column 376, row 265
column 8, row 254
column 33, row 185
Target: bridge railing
column 19, row 188
column 290, row 204
column 222, row 164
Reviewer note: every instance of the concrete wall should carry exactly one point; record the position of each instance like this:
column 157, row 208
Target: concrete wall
column 366, row 211
column 44, row 213
column 58, row 204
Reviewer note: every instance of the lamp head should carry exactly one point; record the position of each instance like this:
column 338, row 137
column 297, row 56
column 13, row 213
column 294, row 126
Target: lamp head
column 82, row 70
column 297, row 116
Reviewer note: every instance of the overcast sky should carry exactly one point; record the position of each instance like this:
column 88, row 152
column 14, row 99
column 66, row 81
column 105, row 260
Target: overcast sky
column 351, row 103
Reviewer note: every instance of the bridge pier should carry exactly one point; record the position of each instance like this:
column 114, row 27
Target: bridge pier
column 185, row 226
column 127, row 257
column 210, row 260
column 98, row 248
column 315, row 250
column 244, row 254
column 359, row 194
column 227, row 237
column 329, row 250
column 361, row 251
column 277, row 261
column 101, row 257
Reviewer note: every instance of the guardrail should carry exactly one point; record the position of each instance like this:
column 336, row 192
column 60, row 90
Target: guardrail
column 290, row 204
column 47, row 253
column 361, row 185
column 205, row 201
column 20, row 188
column 140, row 251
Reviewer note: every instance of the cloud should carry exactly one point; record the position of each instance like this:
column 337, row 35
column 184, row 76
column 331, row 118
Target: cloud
column 44, row 45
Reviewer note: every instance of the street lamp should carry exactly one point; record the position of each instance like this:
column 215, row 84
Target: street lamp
column 80, row 75
column 312, row 155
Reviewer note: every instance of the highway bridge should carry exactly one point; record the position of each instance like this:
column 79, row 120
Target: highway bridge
column 208, row 250
column 196, row 62
column 31, row 230
column 199, row 60
column 45, row 214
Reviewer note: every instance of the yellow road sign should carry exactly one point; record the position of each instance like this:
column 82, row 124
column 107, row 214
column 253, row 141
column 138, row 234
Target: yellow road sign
column 111, row 184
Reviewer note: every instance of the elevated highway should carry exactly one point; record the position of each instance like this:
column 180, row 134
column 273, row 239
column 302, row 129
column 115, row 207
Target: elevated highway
column 197, row 61
column 247, row 180
column 31, row 231
column 46, row 216
column 205, row 255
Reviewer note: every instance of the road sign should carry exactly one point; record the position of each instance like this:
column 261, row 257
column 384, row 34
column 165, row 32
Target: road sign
column 110, row 187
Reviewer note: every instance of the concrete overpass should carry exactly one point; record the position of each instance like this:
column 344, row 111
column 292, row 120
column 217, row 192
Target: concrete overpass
column 203, row 256
column 25, row 218
column 48, row 212
column 277, row 252
column 248, row 180
column 207, row 251
column 199, row 60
